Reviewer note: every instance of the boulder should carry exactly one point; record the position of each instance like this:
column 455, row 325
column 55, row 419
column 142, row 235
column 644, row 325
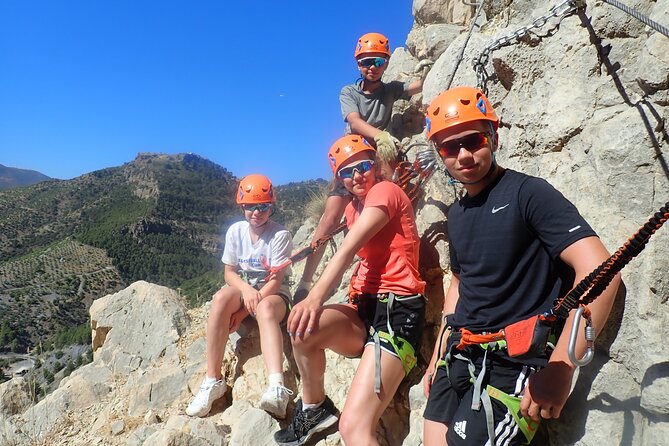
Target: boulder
column 152, row 319
column 15, row 396
column 431, row 41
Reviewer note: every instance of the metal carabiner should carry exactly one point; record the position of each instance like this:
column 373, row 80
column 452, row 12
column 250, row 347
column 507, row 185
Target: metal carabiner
column 589, row 339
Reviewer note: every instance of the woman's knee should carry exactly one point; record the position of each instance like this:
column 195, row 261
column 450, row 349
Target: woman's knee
column 305, row 345
column 353, row 427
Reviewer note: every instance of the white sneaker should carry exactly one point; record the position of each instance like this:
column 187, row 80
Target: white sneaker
column 209, row 392
column 275, row 399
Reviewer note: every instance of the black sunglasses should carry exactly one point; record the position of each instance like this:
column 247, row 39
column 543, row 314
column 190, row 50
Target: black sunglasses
column 262, row 207
column 451, row 148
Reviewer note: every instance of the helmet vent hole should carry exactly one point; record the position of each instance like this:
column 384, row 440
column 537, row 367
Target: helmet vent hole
column 436, row 111
column 465, row 101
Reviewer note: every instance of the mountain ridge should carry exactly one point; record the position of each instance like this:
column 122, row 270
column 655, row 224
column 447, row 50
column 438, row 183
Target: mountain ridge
column 158, row 217
column 11, row 177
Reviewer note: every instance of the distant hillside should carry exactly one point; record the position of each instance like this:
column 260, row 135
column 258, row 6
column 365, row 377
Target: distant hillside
column 291, row 200
column 159, row 218
column 12, row 177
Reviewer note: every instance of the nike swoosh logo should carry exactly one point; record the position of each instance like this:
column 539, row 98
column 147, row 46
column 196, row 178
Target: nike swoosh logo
column 496, row 210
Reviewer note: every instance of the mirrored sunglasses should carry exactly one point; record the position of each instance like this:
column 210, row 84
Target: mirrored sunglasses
column 262, row 207
column 361, row 167
column 369, row 61
column 473, row 142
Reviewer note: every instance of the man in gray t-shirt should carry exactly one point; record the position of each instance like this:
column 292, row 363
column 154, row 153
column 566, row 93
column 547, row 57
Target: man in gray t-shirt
column 366, row 107
column 374, row 108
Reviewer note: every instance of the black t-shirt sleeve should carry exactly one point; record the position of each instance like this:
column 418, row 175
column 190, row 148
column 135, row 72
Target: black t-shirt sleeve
column 455, row 265
column 554, row 219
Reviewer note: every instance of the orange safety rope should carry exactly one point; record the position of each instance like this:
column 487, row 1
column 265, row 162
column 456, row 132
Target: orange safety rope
column 588, row 289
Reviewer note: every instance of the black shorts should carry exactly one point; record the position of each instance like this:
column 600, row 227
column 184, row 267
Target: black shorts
column 450, row 398
column 407, row 319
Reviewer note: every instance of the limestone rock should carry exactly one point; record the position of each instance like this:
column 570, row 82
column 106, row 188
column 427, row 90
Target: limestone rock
column 437, row 79
column 401, row 66
column 652, row 63
column 442, row 11
column 14, row 396
column 80, row 390
column 139, row 436
column 117, row 427
column 417, row 402
column 152, row 322
column 156, row 389
column 151, row 417
column 655, row 390
column 256, row 428
column 173, row 438
column 431, row 41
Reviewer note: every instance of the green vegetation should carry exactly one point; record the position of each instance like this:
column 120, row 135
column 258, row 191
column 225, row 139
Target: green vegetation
column 292, row 199
column 159, row 218
column 13, row 336
column 200, row 289
column 48, row 375
column 79, row 335
column 49, row 289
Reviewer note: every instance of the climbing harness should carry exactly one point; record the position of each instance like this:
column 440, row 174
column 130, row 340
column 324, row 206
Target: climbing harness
column 401, row 346
column 479, row 8
column 410, row 176
column 529, row 337
column 559, row 12
column 254, row 278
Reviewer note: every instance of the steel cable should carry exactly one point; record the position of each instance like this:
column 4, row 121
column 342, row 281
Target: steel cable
column 640, row 17
column 464, row 45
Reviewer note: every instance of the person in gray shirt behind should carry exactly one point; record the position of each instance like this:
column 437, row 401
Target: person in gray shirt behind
column 367, row 107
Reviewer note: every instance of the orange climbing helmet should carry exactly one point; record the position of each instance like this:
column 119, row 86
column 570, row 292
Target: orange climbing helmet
column 457, row 106
column 372, row 43
column 255, row 188
column 345, row 147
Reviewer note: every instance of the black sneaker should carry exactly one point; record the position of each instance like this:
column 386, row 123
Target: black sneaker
column 305, row 423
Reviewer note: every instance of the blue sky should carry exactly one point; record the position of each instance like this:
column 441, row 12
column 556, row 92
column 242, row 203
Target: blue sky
column 252, row 86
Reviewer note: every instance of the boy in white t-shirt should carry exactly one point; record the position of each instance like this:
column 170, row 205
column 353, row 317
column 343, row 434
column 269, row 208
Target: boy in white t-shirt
column 252, row 247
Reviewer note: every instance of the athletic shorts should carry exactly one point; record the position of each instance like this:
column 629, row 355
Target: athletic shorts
column 283, row 294
column 450, row 398
column 337, row 189
column 407, row 319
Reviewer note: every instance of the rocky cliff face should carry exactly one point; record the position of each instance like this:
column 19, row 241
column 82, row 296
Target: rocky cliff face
column 583, row 104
